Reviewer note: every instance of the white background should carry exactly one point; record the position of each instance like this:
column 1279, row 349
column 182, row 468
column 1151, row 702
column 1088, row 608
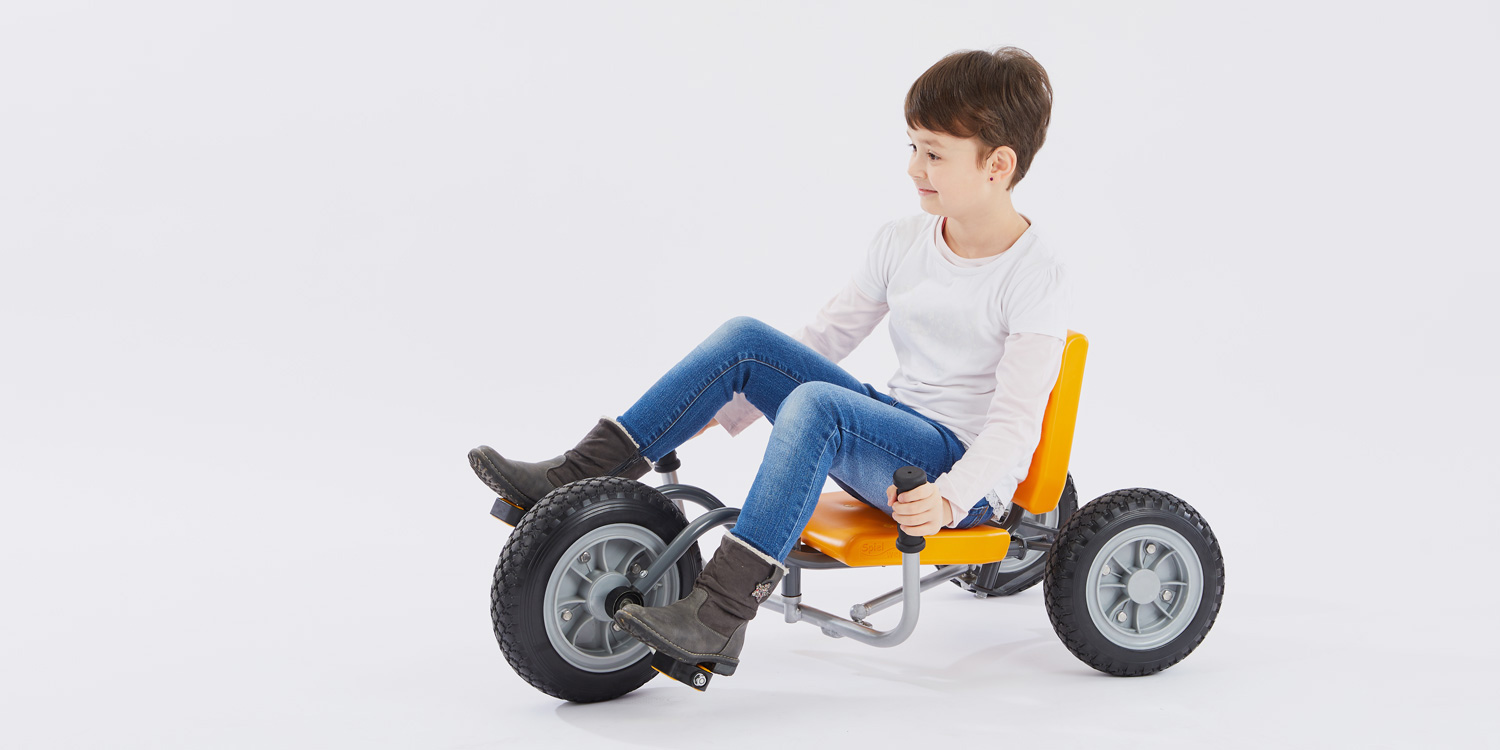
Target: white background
column 271, row 269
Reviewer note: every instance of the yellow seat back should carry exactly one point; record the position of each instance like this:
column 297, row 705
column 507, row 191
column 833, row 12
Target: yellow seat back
column 1048, row 473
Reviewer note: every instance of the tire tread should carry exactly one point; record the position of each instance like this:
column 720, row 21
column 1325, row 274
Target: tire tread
column 527, row 538
column 1063, row 573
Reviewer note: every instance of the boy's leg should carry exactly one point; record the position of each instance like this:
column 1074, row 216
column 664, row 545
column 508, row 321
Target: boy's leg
column 867, row 482
column 823, row 425
column 743, row 355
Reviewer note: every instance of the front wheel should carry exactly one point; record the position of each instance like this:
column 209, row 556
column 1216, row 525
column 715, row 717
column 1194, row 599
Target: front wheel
column 550, row 603
column 1134, row 582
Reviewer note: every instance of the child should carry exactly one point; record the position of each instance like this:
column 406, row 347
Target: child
column 977, row 303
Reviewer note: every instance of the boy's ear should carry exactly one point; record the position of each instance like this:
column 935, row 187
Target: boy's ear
column 1004, row 160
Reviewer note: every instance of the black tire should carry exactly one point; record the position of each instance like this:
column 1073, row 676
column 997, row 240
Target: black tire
column 633, row 511
column 1012, row 575
column 1109, row 523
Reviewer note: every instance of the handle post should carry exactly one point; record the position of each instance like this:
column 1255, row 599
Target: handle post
column 906, row 479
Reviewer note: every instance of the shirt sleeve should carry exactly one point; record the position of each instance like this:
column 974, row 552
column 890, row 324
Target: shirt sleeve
column 845, row 321
column 1039, row 303
column 1000, row 457
column 874, row 274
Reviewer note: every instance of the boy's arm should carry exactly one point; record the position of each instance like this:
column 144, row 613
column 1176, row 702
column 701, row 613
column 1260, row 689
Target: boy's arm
column 711, row 423
column 1000, row 456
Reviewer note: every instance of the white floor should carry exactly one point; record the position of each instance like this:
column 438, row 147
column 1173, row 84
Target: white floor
column 218, row 643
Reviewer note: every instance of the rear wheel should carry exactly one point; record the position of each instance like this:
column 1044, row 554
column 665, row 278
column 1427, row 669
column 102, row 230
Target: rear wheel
column 550, row 602
column 1134, row 582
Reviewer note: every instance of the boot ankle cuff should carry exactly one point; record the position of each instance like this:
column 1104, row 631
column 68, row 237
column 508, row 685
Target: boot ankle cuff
column 623, row 431
column 758, row 553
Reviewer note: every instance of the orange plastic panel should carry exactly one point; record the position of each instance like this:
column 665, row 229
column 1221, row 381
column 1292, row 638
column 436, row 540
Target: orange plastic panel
column 860, row 536
column 1048, row 474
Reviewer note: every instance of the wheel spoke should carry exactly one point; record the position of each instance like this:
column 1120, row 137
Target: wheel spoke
column 603, row 548
column 588, row 622
column 628, row 552
column 1174, row 583
column 1163, row 608
column 1159, row 560
column 1115, row 610
column 596, row 557
column 572, row 635
column 1111, row 585
column 571, row 601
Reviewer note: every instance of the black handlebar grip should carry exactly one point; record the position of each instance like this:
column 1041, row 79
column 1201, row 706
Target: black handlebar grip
column 906, row 479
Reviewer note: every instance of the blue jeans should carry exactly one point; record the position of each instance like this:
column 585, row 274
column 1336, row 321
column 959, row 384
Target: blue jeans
column 825, row 423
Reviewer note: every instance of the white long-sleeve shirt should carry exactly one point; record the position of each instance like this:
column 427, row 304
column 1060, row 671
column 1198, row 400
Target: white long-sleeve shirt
column 979, row 342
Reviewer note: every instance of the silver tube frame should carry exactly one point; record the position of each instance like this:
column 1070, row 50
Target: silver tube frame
column 789, row 602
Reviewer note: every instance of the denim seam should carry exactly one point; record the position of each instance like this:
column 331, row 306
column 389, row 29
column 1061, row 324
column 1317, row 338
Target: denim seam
column 705, row 387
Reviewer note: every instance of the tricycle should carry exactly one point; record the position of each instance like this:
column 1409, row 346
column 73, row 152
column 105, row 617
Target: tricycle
column 1132, row 581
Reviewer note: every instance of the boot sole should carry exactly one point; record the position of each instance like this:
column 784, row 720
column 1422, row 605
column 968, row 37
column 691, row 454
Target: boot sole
column 492, row 478
column 642, row 632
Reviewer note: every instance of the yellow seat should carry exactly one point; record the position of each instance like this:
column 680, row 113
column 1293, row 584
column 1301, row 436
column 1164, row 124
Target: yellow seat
column 859, row 535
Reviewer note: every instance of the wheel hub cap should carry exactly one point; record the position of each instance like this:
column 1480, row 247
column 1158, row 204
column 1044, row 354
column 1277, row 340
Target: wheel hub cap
column 1144, row 585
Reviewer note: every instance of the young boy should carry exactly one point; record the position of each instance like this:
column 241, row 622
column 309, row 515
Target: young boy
column 977, row 302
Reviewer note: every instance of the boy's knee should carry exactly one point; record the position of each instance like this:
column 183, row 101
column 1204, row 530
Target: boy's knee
column 737, row 331
column 741, row 323
column 811, row 397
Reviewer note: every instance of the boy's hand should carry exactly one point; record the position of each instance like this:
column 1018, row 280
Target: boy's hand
column 711, row 423
column 920, row 512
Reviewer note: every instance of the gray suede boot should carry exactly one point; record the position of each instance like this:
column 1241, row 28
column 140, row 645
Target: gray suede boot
column 708, row 625
column 607, row 451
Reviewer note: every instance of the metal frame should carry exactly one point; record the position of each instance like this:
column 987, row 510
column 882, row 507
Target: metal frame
column 789, row 601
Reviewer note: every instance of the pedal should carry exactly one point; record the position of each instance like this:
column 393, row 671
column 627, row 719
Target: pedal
column 695, row 676
column 506, row 511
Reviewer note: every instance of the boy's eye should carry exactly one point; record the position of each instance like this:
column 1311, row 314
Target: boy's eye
column 929, row 153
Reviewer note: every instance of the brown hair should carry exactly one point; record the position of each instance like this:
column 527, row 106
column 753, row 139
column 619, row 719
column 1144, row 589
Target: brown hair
column 1002, row 97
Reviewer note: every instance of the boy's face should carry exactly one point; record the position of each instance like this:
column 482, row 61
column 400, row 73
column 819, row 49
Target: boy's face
column 947, row 180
